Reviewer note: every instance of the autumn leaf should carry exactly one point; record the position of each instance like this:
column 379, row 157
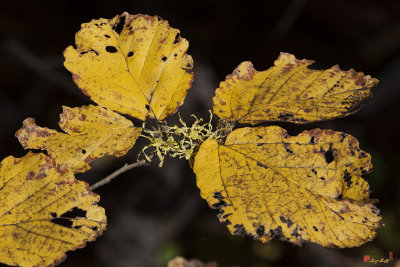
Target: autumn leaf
column 308, row 187
column 132, row 64
column 91, row 132
column 37, row 225
column 182, row 262
column 290, row 91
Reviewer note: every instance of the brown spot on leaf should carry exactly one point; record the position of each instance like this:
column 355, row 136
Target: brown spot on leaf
column 286, row 220
column 240, row 230
column 345, row 208
column 287, row 68
column 277, row 233
column 322, row 227
column 30, row 176
column 260, row 230
column 347, row 178
column 285, row 116
column 288, row 148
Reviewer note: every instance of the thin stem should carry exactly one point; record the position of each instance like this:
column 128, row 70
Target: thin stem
column 121, row 170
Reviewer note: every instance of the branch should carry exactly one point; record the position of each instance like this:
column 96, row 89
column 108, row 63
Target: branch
column 121, row 170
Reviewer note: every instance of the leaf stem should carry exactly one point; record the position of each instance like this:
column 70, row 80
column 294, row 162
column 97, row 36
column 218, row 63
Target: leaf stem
column 121, row 170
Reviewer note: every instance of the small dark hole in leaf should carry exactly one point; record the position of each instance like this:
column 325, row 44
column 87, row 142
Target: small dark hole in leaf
column 362, row 155
column 188, row 65
column 329, row 157
column 176, row 38
column 315, row 228
column 312, row 140
column 363, row 171
column 260, row 230
column 343, row 136
column 90, row 50
column 75, row 212
column 227, row 222
column 147, row 107
column 339, row 197
column 111, row 49
column 158, row 18
column 40, row 151
column 107, row 36
column 95, row 228
column 220, row 204
column 322, row 178
column 218, row 195
column 119, row 25
column 63, row 222
column 77, row 226
column 175, row 55
column 295, row 232
column 164, row 58
column 64, row 219
column 130, row 54
column 277, row 232
column 83, row 151
column 315, row 66
column 226, row 215
column 347, row 178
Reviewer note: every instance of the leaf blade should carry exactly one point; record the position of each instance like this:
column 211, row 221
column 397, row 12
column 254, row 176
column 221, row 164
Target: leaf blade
column 265, row 185
column 90, row 133
column 142, row 71
column 290, row 91
column 35, row 194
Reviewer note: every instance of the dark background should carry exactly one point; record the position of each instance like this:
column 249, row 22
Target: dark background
column 155, row 214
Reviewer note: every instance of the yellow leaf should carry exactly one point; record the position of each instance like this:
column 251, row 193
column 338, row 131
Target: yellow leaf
column 182, row 262
column 290, row 91
column 132, row 64
column 308, row 187
column 91, row 133
column 35, row 200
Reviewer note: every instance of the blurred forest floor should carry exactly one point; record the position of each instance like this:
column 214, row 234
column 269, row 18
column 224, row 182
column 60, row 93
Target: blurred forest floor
column 155, row 214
